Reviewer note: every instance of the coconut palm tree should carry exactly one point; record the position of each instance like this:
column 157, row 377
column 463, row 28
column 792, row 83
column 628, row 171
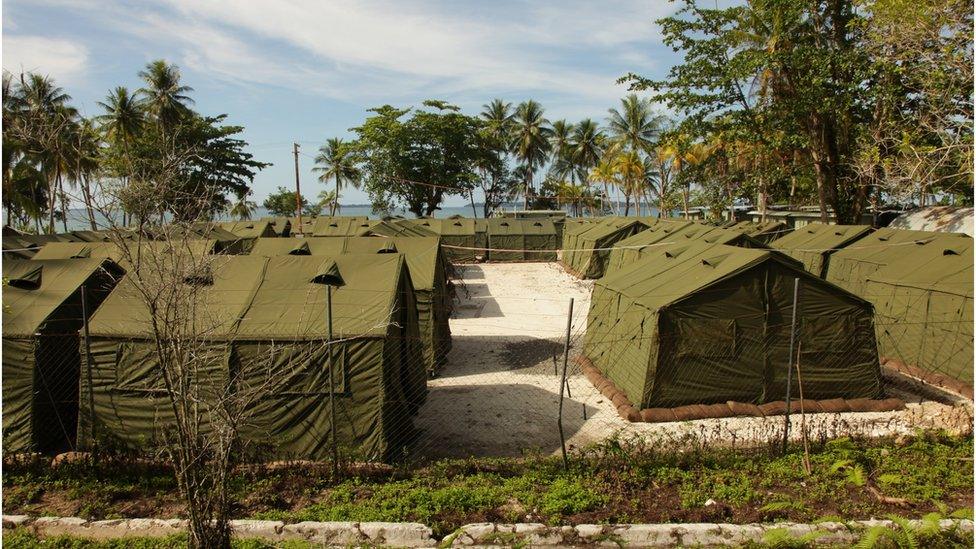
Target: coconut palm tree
column 531, row 144
column 606, row 172
column 635, row 127
column 630, row 166
column 335, row 161
column 499, row 121
column 587, row 146
column 124, row 117
column 243, row 208
column 86, row 153
column 560, row 142
column 165, row 97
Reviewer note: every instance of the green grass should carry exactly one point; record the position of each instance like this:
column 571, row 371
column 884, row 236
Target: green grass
column 611, row 483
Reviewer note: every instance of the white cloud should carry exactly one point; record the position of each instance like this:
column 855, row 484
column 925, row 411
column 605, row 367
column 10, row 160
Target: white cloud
column 385, row 49
column 64, row 60
column 389, row 50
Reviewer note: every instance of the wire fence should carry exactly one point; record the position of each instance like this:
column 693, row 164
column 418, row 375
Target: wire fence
column 517, row 374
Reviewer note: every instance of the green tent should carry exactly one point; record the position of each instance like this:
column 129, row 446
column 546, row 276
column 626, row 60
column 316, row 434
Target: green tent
column 227, row 242
column 591, row 247
column 266, row 330
column 260, row 228
column 111, row 250
column 14, row 247
column 697, row 323
column 851, row 266
column 632, row 249
column 458, row 235
column 764, row 232
column 511, row 239
column 558, row 218
column 481, row 235
column 426, row 263
column 572, row 227
column 24, row 246
column 42, row 314
column 813, row 244
column 924, row 302
column 280, row 225
column 303, row 228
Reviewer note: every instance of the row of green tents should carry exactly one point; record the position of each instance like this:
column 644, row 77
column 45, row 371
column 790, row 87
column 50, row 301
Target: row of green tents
column 918, row 285
column 390, row 317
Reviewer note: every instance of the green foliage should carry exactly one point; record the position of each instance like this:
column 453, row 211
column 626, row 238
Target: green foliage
column 284, row 203
column 418, row 160
column 569, row 497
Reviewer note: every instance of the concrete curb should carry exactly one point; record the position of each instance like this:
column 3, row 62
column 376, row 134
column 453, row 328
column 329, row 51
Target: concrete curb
column 406, row 534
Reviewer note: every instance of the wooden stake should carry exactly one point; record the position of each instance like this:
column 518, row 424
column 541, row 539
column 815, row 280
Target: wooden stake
column 803, row 417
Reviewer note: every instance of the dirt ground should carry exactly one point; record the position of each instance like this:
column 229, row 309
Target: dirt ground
column 499, row 393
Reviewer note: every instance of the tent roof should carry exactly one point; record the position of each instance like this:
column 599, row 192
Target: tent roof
column 36, row 288
column 284, row 297
column 658, row 232
column 528, row 226
column 886, row 244
column 246, row 229
column 421, row 252
column 610, row 226
column 945, row 265
column 110, row 250
column 820, row 238
column 672, row 272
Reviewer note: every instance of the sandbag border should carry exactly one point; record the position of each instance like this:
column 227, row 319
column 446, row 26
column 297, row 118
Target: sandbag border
column 627, row 410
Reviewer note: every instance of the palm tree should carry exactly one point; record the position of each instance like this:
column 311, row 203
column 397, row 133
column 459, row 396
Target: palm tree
column 561, row 145
column 630, row 167
column 124, row 116
column 165, row 98
column 531, row 140
column 499, row 121
column 335, row 161
column 86, row 151
column 606, row 172
column 662, row 175
column 47, row 120
column 587, row 147
column 243, row 208
column 635, row 127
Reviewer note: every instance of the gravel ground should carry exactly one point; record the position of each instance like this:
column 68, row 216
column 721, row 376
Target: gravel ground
column 499, row 393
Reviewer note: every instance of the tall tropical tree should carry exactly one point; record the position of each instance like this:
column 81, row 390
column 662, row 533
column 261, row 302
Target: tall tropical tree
column 335, row 161
column 586, row 148
column 124, row 116
column 635, row 127
column 242, row 208
column 605, row 172
column 165, row 96
column 531, row 144
column 498, row 118
column 560, row 142
column 630, row 167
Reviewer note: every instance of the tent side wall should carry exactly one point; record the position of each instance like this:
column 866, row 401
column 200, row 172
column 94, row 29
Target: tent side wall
column 18, row 394
column 731, row 342
column 926, row 328
column 621, row 340
column 592, row 262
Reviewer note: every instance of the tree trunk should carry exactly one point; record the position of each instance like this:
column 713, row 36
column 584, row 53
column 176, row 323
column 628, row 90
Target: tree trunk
column 335, row 199
column 684, row 198
column 52, row 198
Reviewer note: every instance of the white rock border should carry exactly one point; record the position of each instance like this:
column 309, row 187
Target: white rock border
column 410, row 534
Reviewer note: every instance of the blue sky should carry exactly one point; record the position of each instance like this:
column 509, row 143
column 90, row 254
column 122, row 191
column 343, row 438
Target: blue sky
column 306, row 70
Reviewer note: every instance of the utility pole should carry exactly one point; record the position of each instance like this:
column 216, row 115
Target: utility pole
column 298, row 190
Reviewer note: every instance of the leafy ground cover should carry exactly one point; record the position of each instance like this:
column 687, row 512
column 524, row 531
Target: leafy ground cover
column 849, row 480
